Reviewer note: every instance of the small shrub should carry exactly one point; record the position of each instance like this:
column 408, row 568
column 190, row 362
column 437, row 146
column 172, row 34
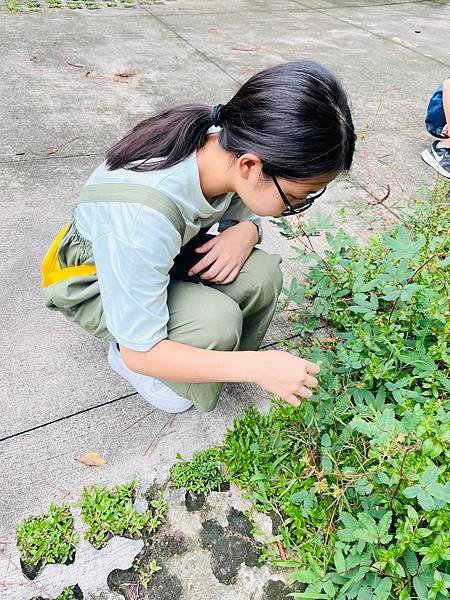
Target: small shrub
column 359, row 476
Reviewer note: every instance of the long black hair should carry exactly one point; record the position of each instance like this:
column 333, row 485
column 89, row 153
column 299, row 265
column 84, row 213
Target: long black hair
column 294, row 116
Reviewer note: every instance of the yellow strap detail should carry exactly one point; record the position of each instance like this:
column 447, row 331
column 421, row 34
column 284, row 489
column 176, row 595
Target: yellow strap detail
column 52, row 272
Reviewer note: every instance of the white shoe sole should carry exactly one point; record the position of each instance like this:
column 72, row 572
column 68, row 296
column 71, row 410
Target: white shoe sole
column 152, row 390
column 430, row 160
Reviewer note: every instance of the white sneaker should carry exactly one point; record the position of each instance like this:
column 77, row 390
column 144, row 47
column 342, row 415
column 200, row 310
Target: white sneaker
column 151, row 389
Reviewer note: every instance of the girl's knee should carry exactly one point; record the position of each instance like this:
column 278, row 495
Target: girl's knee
column 220, row 324
column 269, row 276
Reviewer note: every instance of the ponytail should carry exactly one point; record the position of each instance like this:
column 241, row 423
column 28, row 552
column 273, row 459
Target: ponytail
column 294, row 116
column 170, row 136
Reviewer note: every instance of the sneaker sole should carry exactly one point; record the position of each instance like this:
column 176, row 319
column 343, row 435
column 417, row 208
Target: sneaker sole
column 430, row 160
column 167, row 405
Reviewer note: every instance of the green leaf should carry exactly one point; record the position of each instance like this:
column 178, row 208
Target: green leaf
column 430, row 475
column 411, row 562
column 365, row 593
column 298, row 497
column 382, row 591
column 420, row 587
column 325, row 440
column 425, row 500
column 412, row 491
column 339, row 561
column 440, row 491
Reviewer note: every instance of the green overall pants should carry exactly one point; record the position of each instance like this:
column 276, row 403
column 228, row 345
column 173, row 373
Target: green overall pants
column 205, row 315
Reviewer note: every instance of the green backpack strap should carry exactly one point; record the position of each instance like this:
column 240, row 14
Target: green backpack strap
column 138, row 194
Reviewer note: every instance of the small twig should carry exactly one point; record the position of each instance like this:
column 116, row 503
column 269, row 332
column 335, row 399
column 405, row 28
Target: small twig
column 376, row 201
column 156, row 439
column 415, row 447
column 138, row 421
column 229, row 533
column 54, row 150
column 311, row 248
column 411, row 279
column 70, row 64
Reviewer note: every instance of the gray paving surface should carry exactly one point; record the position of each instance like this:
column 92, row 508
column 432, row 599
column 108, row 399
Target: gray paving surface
column 62, row 104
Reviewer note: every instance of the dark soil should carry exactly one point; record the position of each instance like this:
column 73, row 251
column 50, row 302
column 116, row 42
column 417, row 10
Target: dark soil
column 230, row 546
column 277, row 590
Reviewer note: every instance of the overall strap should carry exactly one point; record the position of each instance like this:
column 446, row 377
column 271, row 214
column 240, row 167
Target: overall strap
column 108, row 192
column 139, row 194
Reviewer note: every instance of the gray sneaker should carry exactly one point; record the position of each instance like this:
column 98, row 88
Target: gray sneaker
column 438, row 158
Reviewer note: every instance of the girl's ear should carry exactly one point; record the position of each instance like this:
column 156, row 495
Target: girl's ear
column 249, row 167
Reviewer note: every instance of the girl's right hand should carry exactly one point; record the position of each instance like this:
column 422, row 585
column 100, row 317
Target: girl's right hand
column 285, row 375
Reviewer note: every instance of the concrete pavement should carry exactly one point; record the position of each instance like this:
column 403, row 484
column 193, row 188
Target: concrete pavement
column 64, row 103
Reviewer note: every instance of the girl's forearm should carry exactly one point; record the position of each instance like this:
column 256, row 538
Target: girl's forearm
column 174, row 361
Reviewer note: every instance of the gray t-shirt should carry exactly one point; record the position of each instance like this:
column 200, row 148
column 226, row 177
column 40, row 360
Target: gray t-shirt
column 134, row 246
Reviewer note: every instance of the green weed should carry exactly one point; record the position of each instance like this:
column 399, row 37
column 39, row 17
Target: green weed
column 13, row 5
column 110, row 513
column 146, row 574
column 201, row 475
column 49, row 538
column 67, row 594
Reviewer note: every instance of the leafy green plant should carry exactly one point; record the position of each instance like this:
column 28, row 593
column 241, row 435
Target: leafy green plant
column 146, row 575
column 111, row 512
column 67, row 594
column 13, row 5
column 201, row 475
column 49, row 538
column 358, row 476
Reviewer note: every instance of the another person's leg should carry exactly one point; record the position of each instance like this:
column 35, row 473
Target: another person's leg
column 438, row 153
column 446, row 107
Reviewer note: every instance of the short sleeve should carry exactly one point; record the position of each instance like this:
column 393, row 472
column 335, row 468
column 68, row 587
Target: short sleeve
column 236, row 212
column 133, row 264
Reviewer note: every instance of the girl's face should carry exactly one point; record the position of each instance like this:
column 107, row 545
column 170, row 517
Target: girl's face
column 261, row 195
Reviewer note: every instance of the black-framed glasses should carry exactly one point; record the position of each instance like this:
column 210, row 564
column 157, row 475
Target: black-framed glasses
column 295, row 210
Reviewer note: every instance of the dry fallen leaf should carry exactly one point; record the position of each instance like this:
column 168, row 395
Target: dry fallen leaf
column 92, row 459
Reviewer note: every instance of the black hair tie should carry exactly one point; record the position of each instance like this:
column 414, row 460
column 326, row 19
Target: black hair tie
column 215, row 115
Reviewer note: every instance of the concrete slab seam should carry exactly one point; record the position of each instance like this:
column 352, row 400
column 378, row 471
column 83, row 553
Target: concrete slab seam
column 79, row 412
column 384, row 38
column 101, row 405
column 202, row 54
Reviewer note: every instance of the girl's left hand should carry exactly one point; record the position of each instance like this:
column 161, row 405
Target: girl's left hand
column 226, row 253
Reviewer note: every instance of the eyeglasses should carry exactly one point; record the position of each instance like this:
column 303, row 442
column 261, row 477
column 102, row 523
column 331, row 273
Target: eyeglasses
column 295, row 210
